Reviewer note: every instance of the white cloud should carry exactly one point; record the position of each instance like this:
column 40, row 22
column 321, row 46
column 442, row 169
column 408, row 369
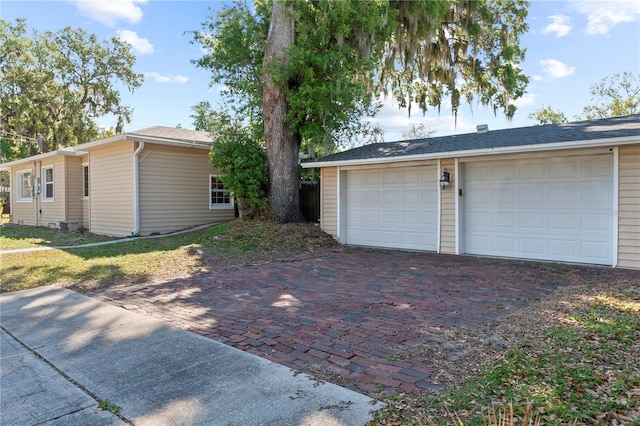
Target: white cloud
column 556, row 69
column 395, row 121
column 139, row 44
column 603, row 16
column 166, row 78
column 560, row 26
column 527, row 99
column 112, row 11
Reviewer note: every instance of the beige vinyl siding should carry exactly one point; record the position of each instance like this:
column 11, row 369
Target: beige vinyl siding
column 86, row 214
column 86, row 202
column 51, row 213
column 73, row 182
column 629, row 207
column 174, row 190
column 448, row 210
column 329, row 200
column 111, row 182
column 22, row 212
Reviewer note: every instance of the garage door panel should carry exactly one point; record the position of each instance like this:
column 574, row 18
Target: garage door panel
column 504, row 220
column 565, row 168
column 596, row 194
column 596, row 223
column 563, row 194
column 532, row 246
column 532, row 221
column 401, row 214
column 562, row 221
column 531, row 195
column 551, row 209
column 562, row 249
column 596, row 168
column 504, row 244
column 410, row 198
column 533, row 170
column 503, row 172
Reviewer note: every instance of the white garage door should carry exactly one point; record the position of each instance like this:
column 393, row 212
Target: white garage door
column 548, row 209
column 394, row 207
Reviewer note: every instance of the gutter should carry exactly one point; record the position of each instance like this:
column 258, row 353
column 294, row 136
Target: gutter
column 596, row 143
column 136, row 189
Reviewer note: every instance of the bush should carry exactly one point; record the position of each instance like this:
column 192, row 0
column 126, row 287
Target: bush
column 242, row 165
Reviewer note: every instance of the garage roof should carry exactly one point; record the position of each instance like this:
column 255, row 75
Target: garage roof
column 535, row 138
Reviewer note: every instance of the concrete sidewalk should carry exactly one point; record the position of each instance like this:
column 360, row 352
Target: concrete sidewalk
column 157, row 373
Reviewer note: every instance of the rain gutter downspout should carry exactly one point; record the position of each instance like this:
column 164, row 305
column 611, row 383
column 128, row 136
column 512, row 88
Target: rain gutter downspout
column 34, row 192
column 136, row 189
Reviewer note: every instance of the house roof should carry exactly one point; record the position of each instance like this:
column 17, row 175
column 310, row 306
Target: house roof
column 158, row 134
column 535, row 138
column 184, row 135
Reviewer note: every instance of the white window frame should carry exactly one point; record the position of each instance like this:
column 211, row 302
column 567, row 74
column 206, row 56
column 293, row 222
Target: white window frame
column 20, row 186
column 46, row 183
column 219, row 206
column 85, row 181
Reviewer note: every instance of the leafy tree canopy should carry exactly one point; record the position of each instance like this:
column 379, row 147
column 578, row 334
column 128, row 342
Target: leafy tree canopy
column 328, row 61
column 547, row 115
column 614, row 96
column 56, row 83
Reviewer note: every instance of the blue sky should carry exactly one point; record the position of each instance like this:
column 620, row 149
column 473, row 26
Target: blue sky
column 571, row 45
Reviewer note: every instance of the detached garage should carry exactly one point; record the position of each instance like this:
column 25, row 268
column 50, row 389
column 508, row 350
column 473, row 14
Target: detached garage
column 567, row 192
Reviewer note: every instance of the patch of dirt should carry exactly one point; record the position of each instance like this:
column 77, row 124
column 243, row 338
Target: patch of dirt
column 466, row 352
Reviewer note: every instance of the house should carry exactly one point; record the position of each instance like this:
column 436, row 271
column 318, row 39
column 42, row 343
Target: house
column 155, row 180
column 568, row 192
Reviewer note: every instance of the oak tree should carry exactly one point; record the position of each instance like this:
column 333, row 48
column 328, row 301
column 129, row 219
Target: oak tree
column 313, row 68
column 57, row 83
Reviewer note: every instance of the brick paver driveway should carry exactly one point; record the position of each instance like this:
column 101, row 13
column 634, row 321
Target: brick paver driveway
column 349, row 311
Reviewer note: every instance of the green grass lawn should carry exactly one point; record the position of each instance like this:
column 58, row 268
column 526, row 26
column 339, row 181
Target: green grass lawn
column 144, row 259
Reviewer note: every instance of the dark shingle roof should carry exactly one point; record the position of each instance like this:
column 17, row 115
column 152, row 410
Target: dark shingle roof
column 606, row 128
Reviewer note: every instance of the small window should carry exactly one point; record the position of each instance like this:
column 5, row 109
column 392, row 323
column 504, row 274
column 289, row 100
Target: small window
column 47, row 183
column 219, row 197
column 85, row 181
column 25, row 185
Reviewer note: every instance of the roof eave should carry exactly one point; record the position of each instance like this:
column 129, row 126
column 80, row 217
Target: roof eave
column 65, row 152
column 554, row 146
column 146, row 139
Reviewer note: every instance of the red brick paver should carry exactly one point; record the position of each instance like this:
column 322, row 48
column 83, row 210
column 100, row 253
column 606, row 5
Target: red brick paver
column 348, row 312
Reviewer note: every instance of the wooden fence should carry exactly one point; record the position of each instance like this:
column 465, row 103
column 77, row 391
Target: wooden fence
column 310, row 200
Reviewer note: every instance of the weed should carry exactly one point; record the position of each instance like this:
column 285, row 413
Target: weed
column 105, row 405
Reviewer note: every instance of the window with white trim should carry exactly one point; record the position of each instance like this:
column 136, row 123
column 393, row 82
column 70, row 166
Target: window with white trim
column 25, row 185
column 85, row 181
column 219, row 196
column 47, row 183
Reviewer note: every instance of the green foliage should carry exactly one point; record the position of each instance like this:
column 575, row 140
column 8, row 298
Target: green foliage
column 233, row 40
column 240, row 161
column 106, row 405
column 614, row 96
column 547, row 115
column 57, row 83
column 346, row 53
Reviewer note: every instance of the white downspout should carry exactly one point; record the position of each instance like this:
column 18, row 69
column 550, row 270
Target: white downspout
column 34, row 192
column 136, row 189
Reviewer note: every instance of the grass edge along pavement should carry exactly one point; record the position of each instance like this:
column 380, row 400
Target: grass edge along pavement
column 585, row 370
column 137, row 260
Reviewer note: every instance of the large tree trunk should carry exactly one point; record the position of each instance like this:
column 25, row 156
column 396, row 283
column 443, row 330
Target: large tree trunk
column 282, row 144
